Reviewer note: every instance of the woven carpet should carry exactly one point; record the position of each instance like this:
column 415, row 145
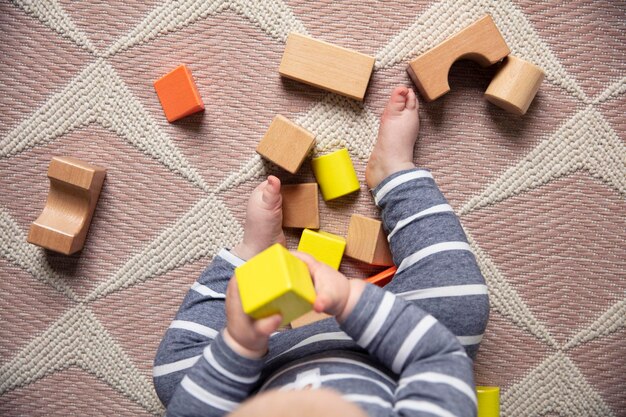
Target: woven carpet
column 542, row 197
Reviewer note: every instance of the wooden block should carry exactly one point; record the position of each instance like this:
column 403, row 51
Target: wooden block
column 335, row 174
column 286, row 144
column 326, row 66
column 367, row 241
column 515, row 85
column 301, row 206
column 323, row 246
column 308, row 318
column 383, row 278
column 74, row 190
column 178, row 94
column 275, row 281
column 488, row 401
column 480, row 42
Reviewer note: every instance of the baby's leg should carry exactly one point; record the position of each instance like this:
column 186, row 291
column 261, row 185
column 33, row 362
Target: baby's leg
column 436, row 268
column 202, row 316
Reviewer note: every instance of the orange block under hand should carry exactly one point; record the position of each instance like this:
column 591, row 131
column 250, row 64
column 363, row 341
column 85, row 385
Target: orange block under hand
column 178, row 94
column 383, row 278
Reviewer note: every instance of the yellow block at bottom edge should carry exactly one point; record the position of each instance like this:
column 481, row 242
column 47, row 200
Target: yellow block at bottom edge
column 488, row 401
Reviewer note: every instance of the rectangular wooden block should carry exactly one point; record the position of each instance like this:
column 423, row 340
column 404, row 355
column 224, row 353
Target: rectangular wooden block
column 308, row 318
column 301, row 206
column 367, row 242
column 326, row 66
column 286, row 144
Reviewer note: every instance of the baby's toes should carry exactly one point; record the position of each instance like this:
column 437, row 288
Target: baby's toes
column 397, row 101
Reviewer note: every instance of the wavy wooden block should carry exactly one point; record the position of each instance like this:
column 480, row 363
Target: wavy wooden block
column 480, row 42
column 74, row 190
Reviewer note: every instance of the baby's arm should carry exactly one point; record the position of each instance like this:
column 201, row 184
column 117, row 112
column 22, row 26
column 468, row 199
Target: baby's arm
column 195, row 363
column 435, row 373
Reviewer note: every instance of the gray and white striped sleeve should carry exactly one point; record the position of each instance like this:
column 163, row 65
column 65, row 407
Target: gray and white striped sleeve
column 217, row 383
column 197, row 324
column 437, row 270
column 435, row 373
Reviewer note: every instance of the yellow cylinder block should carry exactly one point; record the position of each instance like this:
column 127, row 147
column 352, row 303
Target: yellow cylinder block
column 488, row 401
column 335, row 174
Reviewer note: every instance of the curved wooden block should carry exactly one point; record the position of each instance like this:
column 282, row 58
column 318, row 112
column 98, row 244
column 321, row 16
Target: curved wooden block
column 74, row 190
column 480, row 42
column 515, row 85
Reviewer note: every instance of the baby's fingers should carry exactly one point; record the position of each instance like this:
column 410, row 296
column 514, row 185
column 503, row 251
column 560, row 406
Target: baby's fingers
column 267, row 325
column 321, row 303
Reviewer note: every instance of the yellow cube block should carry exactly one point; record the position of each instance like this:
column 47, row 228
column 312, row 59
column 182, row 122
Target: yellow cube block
column 488, row 401
column 323, row 246
column 335, row 174
column 275, row 281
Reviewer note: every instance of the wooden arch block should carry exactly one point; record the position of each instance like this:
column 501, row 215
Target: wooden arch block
column 326, row 66
column 74, row 190
column 367, row 241
column 480, row 42
column 286, row 144
column 301, row 206
column 515, row 85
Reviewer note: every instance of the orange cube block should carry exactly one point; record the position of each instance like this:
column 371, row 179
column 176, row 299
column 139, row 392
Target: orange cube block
column 178, row 94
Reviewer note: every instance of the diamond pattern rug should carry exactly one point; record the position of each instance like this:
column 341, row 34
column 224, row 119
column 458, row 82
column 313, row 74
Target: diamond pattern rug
column 542, row 197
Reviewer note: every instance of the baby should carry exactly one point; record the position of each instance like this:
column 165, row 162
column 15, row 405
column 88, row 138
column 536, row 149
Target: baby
column 403, row 350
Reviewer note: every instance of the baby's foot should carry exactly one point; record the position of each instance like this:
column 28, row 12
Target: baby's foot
column 264, row 220
column 397, row 134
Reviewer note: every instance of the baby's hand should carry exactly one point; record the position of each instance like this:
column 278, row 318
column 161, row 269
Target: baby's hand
column 336, row 294
column 243, row 334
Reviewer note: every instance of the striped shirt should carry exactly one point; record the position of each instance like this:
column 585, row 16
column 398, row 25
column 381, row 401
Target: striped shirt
column 400, row 352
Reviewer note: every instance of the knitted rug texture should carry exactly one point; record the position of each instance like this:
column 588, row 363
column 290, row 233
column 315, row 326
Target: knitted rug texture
column 542, row 197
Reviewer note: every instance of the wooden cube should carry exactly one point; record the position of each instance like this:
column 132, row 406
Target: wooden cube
column 335, row 174
column 323, row 246
column 326, row 66
column 74, row 191
column 178, row 94
column 301, row 206
column 480, row 42
column 286, row 144
column 367, row 241
column 275, row 281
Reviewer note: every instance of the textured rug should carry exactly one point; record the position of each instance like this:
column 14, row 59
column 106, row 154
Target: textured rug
column 542, row 197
